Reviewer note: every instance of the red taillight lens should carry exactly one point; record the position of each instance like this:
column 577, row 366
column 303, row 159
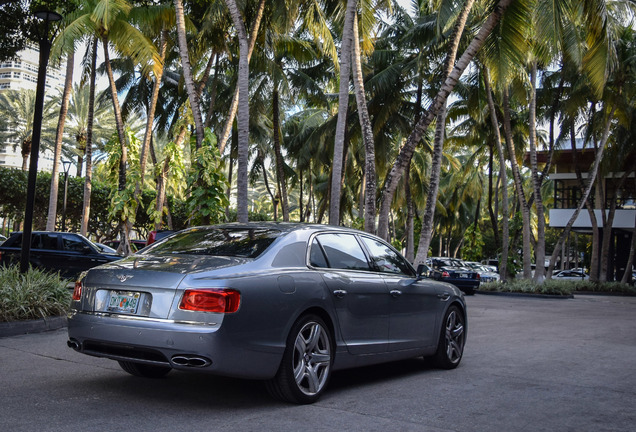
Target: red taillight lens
column 77, row 292
column 477, row 276
column 445, row 274
column 211, row 300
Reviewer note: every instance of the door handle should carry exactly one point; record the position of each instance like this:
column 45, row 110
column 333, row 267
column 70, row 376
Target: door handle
column 444, row 296
column 395, row 293
column 340, row 293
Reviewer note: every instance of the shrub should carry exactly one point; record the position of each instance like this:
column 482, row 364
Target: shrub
column 557, row 287
column 32, row 295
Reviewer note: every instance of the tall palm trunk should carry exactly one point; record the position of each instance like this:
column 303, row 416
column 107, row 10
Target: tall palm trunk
column 59, row 135
column 121, row 134
column 539, row 250
column 590, row 182
column 505, row 230
column 143, row 156
column 193, row 97
column 370, row 176
column 86, row 207
column 438, row 147
column 243, row 112
column 406, row 152
column 225, row 134
column 521, row 196
column 343, row 105
column 280, row 163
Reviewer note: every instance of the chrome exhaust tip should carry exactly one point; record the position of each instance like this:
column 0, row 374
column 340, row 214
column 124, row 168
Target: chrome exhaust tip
column 190, row 361
column 73, row 344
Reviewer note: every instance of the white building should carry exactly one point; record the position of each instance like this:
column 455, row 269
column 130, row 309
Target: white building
column 22, row 73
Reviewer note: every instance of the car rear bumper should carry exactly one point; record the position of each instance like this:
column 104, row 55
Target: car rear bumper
column 180, row 345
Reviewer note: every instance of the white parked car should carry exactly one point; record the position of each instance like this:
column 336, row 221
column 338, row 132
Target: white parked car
column 571, row 275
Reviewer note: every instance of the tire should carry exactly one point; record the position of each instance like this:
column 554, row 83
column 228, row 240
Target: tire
column 450, row 348
column 144, row 370
column 306, row 366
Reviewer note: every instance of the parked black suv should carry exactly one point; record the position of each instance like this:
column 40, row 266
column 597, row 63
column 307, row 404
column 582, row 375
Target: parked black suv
column 67, row 253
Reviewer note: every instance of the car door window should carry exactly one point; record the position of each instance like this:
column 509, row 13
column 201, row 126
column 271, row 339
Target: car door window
column 316, row 256
column 386, row 259
column 342, row 252
column 73, row 244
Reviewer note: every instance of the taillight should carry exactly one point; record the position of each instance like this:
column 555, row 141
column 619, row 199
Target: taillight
column 478, row 276
column 445, row 274
column 77, row 291
column 211, row 300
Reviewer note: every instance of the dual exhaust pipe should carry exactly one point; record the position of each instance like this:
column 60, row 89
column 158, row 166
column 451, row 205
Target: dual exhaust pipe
column 186, row 360
column 190, row 361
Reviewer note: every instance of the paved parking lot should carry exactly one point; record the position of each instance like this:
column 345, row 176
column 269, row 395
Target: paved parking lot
column 530, row 365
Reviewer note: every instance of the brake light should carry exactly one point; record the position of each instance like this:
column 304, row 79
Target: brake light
column 478, row 276
column 445, row 274
column 77, row 291
column 211, row 300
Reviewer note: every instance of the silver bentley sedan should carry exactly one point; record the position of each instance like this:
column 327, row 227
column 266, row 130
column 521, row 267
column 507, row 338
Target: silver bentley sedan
column 284, row 303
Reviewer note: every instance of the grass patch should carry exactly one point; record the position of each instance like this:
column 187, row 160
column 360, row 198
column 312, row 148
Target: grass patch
column 33, row 295
column 557, row 287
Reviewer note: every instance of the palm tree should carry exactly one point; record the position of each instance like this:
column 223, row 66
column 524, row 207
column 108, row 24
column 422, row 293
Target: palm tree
column 59, row 135
column 243, row 111
column 17, row 108
column 343, row 103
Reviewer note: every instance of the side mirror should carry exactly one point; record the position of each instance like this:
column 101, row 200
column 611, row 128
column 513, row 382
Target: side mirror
column 422, row 271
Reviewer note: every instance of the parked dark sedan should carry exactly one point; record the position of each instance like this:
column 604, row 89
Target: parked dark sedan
column 285, row 303
column 451, row 270
column 63, row 252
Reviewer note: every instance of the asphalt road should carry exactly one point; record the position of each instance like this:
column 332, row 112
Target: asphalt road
column 529, row 365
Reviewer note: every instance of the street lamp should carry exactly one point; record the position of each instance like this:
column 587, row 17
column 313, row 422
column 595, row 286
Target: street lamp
column 45, row 49
column 67, row 166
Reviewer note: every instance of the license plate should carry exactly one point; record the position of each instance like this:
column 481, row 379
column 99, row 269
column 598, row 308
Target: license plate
column 464, row 275
column 123, row 302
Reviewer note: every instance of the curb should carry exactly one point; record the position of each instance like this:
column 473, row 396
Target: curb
column 514, row 294
column 15, row 328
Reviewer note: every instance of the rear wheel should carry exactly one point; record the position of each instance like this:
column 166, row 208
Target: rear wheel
column 452, row 339
column 144, row 370
column 306, row 365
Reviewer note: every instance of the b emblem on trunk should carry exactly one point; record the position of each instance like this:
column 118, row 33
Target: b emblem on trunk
column 123, row 278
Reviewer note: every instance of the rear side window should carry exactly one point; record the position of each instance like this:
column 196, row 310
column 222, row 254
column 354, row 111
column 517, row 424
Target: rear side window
column 342, row 252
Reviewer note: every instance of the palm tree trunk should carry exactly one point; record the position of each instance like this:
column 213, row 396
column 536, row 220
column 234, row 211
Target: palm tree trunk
column 410, row 219
column 193, row 97
column 225, row 134
column 505, row 230
column 86, row 207
column 163, row 44
column 539, row 273
column 280, row 163
column 343, row 105
column 370, row 176
column 124, row 245
column 59, row 135
column 586, row 193
column 438, row 146
column 491, row 213
column 406, row 152
column 521, row 196
column 243, row 113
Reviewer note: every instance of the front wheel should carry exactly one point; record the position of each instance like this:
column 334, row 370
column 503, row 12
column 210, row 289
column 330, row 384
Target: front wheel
column 452, row 339
column 144, row 370
column 306, row 365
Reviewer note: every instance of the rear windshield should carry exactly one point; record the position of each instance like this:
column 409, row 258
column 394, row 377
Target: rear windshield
column 234, row 242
